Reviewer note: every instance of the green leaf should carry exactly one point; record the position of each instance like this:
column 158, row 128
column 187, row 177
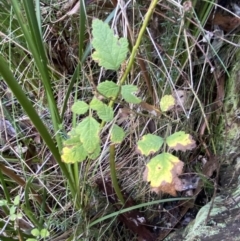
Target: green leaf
column 167, row 103
column 73, row 140
column 108, row 89
column 105, row 113
column 128, row 91
column 80, row 107
column 44, row 233
column 96, row 153
column 110, row 52
column 3, row 202
column 16, row 200
column 162, row 172
column 149, row 144
column 180, row 141
column 89, row 133
column 12, row 210
column 35, row 232
column 117, row 134
column 31, row 239
column 96, row 104
column 13, row 217
column 73, row 154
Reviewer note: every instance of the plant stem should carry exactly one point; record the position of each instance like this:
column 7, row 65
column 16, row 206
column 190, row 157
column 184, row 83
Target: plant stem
column 113, row 174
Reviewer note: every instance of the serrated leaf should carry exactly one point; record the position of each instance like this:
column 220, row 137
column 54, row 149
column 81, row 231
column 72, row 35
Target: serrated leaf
column 73, row 140
column 167, row 103
column 117, row 134
column 162, row 172
column 96, row 104
column 89, row 133
column 80, row 107
column 180, row 141
column 95, row 154
column 73, row 154
column 108, row 89
column 110, row 51
column 105, row 113
column 149, row 144
column 128, row 92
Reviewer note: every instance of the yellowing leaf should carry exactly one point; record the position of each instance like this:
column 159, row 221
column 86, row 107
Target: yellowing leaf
column 149, row 144
column 88, row 130
column 162, row 172
column 108, row 89
column 73, row 154
column 128, row 92
column 167, row 103
column 180, row 141
column 110, row 51
column 80, row 107
column 117, row 134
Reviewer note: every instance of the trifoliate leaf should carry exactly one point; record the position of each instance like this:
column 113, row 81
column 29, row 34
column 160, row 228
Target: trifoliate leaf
column 105, row 113
column 110, row 52
column 128, row 92
column 117, row 134
column 108, row 89
column 180, row 141
column 167, row 103
column 80, row 107
column 73, row 154
column 149, row 144
column 89, row 133
column 162, row 172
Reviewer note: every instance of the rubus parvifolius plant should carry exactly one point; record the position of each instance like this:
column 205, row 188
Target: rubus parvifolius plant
column 85, row 140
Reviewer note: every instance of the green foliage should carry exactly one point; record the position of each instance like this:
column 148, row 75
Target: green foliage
column 39, row 234
column 149, row 144
column 110, row 52
column 128, row 94
column 108, row 89
column 13, row 208
column 88, row 131
column 80, row 107
column 117, row 134
column 162, row 171
column 85, row 141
